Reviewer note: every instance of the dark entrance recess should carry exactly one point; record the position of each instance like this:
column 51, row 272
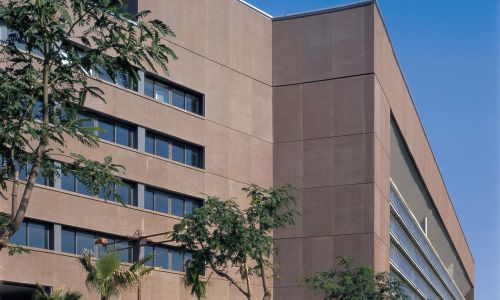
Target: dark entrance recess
column 17, row 291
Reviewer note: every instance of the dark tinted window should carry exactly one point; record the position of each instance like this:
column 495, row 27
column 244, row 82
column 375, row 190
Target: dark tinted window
column 84, row 241
column 149, row 88
column 177, row 206
column 177, row 260
column 107, row 131
column 161, row 202
column 149, row 250
column 178, row 99
column 20, row 237
column 38, row 235
column 167, row 93
column 81, row 188
column 123, row 136
column 68, row 181
column 168, row 202
column 126, row 192
column 161, row 257
column 174, row 149
column 68, row 241
column 149, row 199
column 33, row 234
column 111, row 130
column 161, row 147
column 150, row 144
column 178, row 152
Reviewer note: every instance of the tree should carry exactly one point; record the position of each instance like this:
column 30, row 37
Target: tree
column 108, row 278
column 355, row 283
column 41, row 294
column 224, row 238
column 52, row 47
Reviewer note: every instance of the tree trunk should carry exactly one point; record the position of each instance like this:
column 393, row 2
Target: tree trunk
column 18, row 217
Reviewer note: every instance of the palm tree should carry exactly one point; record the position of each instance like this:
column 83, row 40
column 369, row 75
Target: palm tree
column 41, row 294
column 108, row 278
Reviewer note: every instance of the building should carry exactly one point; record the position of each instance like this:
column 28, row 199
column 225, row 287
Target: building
column 316, row 100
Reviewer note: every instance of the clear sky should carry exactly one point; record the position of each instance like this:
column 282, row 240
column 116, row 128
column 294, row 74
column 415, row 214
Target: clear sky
column 449, row 53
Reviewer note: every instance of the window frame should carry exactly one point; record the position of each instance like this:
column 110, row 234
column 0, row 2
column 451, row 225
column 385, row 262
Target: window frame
column 187, row 146
column 170, row 88
column 170, row 195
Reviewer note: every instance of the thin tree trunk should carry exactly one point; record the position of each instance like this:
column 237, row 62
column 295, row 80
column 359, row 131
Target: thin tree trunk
column 267, row 292
column 18, row 217
column 247, row 278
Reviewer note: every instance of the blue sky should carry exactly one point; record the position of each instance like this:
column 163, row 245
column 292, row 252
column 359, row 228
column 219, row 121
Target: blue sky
column 448, row 51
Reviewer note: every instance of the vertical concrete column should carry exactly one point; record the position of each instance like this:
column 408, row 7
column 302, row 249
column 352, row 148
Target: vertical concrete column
column 141, row 138
column 57, row 235
column 57, row 179
column 140, row 195
column 140, row 84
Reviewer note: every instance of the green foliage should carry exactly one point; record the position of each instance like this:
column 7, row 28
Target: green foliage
column 108, row 277
column 355, row 283
column 224, row 236
column 41, row 294
column 17, row 249
column 44, row 83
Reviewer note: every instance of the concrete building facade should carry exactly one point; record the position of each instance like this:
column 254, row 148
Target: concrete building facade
column 316, row 100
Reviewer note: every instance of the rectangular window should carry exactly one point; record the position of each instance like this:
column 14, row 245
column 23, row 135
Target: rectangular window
column 32, row 234
column 169, row 203
column 40, row 178
column 166, row 257
column 175, row 150
column 75, row 241
column 68, row 241
column 174, row 95
column 122, row 78
column 111, row 130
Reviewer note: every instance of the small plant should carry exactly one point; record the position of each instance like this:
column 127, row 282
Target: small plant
column 41, row 294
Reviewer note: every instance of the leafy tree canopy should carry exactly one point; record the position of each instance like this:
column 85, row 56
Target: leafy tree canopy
column 52, row 48
column 355, row 283
column 223, row 237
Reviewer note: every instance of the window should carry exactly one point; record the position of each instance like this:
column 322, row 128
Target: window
column 127, row 191
column 76, row 241
column 32, row 234
column 167, row 257
column 111, row 130
column 175, row 96
column 71, row 183
column 175, row 150
column 169, row 203
column 122, row 78
column 40, row 178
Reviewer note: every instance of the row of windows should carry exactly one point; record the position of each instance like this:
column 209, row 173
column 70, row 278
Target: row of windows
column 155, row 88
column 412, row 226
column 111, row 130
column 412, row 250
column 167, row 257
column 169, row 203
column 154, row 199
column 75, row 241
column 166, row 93
column 174, row 150
column 123, row 134
column 33, row 234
